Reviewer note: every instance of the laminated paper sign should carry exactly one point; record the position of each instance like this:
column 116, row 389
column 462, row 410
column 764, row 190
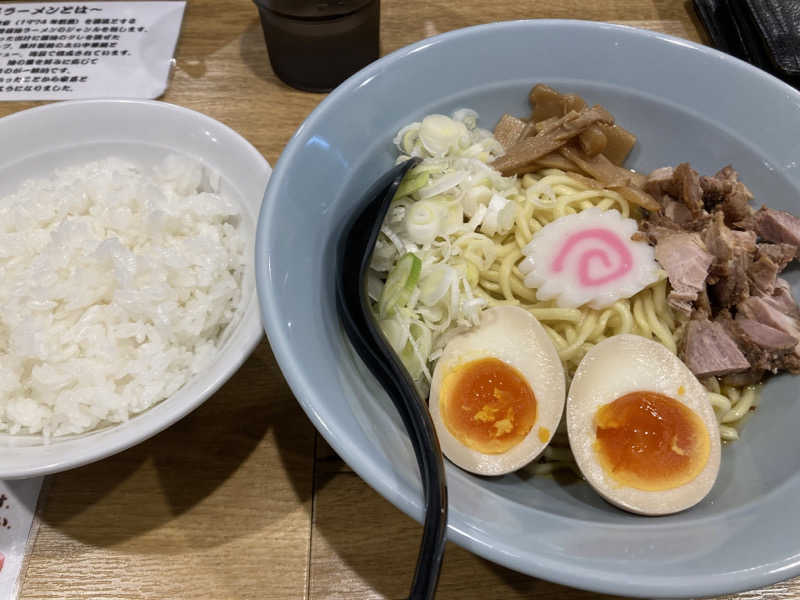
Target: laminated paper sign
column 76, row 50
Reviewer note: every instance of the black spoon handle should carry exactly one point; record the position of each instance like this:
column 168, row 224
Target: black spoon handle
column 417, row 419
column 353, row 256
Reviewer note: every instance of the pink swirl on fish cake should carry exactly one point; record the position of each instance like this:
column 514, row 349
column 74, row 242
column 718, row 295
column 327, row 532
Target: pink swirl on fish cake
column 589, row 257
column 608, row 237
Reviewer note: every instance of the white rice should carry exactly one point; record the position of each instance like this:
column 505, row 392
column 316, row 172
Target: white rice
column 115, row 286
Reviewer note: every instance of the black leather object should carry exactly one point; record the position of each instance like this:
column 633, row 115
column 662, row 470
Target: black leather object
column 765, row 33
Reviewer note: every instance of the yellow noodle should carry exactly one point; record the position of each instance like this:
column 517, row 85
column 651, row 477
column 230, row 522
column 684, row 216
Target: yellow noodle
column 605, row 204
column 544, row 173
column 719, row 402
column 602, row 324
column 489, row 285
column 731, row 392
column 507, row 249
column 740, row 408
column 554, row 177
column 518, row 288
column 522, row 237
column 505, row 273
column 640, row 319
column 523, row 216
column 579, row 338
column 534, row 225
column 728, row 433
column 558, row 340
column 572, row 315
column 573, row 196
column 521, row 290
column 528, row 180
column 568, row 331
column 712, row 385
column 624, row 207
column 660, row 301
column 623, row 310
column 492, row 276
column 657, row 325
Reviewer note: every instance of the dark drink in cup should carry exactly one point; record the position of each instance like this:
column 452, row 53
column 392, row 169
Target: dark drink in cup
column 315, row 45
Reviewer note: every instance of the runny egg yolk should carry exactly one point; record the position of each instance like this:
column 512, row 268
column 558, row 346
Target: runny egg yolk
column 487, row 405
column 651, row 442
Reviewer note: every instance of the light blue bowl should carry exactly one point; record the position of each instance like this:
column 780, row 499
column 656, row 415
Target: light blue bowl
column 686, row 103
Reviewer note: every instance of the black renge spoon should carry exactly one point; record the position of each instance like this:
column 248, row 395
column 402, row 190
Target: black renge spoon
column 354, row 251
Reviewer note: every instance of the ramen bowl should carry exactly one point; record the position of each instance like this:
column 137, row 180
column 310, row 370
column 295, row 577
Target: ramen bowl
column 685, row 102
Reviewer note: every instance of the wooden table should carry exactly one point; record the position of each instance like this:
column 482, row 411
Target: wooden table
column 242, row 499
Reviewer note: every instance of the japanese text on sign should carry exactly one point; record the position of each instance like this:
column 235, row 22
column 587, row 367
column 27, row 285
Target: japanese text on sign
column 87, row 50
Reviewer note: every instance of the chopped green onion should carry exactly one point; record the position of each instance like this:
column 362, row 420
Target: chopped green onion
column 399, row 284
column 409, row 185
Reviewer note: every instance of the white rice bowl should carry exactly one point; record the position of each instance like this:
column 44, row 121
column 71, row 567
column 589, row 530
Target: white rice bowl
column 126, row 279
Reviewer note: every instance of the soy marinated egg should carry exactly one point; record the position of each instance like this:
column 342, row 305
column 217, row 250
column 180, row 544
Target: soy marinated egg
column 641, row 427
column 497, row 393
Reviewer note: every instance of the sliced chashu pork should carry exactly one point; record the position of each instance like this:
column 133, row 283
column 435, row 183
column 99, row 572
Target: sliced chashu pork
column 724, row 191
column 777, row 226
column 709, row 350
column 685, row 259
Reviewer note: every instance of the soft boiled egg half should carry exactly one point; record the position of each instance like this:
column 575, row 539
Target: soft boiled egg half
column 497, row 393
column 641, row 427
